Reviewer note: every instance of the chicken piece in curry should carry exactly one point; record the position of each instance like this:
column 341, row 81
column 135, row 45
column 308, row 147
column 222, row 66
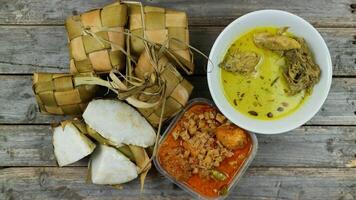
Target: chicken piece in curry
column 231, row 136
column 243, row 62
column 276, row 42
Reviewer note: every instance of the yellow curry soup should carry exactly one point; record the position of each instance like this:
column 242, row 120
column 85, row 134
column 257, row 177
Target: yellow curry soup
column 260, row 92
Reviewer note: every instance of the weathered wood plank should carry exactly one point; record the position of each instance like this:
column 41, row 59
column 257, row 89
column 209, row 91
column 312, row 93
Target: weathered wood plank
column 17, row 102
column 257, row 183
column 320, row 13
column 28, row 49
column 312, row 146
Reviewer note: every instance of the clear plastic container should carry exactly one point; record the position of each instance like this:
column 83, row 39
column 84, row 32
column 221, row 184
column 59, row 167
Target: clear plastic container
column 186, row 187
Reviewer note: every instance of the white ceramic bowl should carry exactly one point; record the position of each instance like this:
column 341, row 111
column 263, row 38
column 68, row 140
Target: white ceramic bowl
column 299, row 27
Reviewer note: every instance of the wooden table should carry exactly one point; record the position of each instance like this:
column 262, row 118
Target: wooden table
column 307, row 163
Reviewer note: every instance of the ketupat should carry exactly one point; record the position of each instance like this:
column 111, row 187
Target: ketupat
column 134, row 153
column 92, row 47
column 100, row 139
column 178, row 89
column 162, row 26
column 110, row 166
column 142, row 161
column 96, row 42
column 70, row 144
column 59, row 94
column 119, row 123
column 124, row 149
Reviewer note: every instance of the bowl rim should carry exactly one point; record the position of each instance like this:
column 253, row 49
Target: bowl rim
column 273, row 129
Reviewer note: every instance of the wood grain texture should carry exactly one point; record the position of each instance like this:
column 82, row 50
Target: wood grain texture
column 18, row 105
column 257, row 184
column 307, row 163
column 28, row 49
column 340, row 13
column 309, row 146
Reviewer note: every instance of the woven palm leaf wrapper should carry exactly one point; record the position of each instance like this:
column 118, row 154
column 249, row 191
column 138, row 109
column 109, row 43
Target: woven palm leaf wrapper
column 60, row 94
column 92, row 48
column 177, row 92
column 161, row 26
